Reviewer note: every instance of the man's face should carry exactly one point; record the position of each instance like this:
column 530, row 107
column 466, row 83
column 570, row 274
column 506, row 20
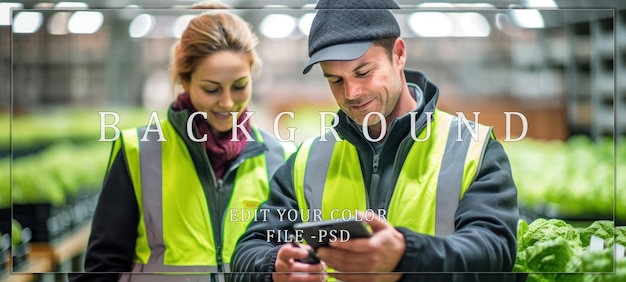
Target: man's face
column 371, row 83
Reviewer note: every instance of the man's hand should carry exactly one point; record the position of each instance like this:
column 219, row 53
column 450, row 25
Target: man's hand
column 287, row 269
column 380, row 253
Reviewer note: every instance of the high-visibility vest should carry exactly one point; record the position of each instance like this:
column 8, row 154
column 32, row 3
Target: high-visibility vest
column 175, row 233
column 433, row 179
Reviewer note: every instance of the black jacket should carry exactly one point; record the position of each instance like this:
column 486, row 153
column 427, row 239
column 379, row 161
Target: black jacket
column 486, row 218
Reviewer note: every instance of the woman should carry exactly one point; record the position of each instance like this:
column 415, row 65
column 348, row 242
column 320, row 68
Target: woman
column 178, row 205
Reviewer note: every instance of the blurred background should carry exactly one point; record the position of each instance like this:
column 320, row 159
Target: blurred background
column 558, row 63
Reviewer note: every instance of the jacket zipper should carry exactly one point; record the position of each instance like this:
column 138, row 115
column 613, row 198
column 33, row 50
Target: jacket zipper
column 375, row 163
column 219, row 183
column 374, row 181
column 220, row 263
column 218, row 243
column 216, row 233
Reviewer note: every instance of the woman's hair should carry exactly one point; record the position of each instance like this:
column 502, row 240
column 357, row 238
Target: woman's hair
column 206, row 34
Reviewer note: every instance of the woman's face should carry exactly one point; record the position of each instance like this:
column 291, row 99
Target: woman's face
column 221, row 84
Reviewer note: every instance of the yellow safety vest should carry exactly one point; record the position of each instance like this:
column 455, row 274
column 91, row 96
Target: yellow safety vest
column 433, row 179
column 175, row 231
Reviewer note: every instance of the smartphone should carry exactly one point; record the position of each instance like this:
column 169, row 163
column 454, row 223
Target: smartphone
column 321, row 233
column 311, row 259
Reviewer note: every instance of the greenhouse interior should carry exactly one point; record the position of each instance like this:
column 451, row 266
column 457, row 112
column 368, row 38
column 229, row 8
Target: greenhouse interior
column 547, row 75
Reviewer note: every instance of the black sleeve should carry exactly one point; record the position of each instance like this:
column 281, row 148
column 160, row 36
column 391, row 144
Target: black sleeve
column 256, row 251
column 486, row 229
column 114, row 227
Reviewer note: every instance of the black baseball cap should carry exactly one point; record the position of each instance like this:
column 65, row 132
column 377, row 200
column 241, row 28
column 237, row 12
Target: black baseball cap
column 344, row 29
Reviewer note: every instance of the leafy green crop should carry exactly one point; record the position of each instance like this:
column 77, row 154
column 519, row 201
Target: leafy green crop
column 59, row 171
column 16, row 232
column 604, row 229
column 5, row 184
column 600, row 261
column 547, row 245
column 549, row 229
column 549, row 256
column 620, row 235
column 570, row 179
column 68, row 124
column 65, row 154
column 552, row 250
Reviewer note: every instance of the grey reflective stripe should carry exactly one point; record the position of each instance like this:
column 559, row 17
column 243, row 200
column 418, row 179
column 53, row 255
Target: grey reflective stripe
column 186, row 274
column 450, row 178
column 146, row 277
column 151, row 171
column 316, row 171
column 153, row 268
column 220, row 277
column 151, row 194
column 273, row 160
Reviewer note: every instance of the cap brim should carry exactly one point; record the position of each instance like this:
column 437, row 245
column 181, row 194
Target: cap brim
column 339, row 52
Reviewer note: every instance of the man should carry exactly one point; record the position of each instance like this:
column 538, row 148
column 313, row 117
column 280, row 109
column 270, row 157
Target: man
column 440, row 187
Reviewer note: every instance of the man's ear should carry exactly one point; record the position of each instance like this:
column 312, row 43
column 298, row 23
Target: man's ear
column 399, row 52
